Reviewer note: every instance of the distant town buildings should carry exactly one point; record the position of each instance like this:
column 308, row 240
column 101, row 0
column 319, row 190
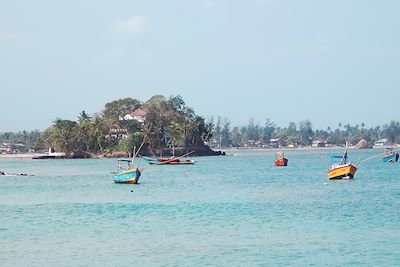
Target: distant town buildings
column 381, row 142
column 117, row 132
column 319, row 143
column 5, row 148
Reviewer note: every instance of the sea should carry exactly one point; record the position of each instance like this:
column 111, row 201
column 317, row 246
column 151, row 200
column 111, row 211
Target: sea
column 233, row 210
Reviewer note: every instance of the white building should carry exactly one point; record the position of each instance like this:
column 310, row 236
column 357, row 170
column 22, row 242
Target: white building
column 138, row 115
column 381, row 142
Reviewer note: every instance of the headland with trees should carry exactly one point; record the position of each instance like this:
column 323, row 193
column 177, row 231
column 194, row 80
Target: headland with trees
column 167, row 126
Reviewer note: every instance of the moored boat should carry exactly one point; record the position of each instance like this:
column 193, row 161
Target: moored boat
column 390, row 155
column 129, row 175
column 170, row 161
column 280, row 160
column 343, row 169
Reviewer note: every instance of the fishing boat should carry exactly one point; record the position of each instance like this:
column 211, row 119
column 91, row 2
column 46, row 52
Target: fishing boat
column 182, row 160
column 390, row 155
column 280, row 160
column 128, row 175
column 168, row 161
column 342, row 169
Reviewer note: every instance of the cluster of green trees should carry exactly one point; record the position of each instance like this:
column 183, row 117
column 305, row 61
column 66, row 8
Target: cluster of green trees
column 21, row 141
column 298, row 134
column 169, row 123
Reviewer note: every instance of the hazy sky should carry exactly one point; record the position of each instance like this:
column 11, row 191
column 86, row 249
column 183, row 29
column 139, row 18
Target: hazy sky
column 326, row 61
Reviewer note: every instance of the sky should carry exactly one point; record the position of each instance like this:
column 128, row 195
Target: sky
column 329, row 62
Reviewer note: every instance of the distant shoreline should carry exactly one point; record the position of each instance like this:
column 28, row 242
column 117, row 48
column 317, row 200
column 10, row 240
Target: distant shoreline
column 226, row 150
column 248, row 149
column 21, row 155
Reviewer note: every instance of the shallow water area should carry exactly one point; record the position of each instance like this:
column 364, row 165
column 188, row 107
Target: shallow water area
column 223, row 211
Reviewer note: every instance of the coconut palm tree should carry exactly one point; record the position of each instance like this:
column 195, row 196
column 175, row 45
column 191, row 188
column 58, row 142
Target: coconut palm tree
column 83, row 116
column 65, row 134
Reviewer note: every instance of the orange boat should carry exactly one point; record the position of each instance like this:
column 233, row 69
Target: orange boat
column 280, row 160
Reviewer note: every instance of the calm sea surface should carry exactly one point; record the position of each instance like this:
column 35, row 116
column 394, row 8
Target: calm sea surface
column 224, row 211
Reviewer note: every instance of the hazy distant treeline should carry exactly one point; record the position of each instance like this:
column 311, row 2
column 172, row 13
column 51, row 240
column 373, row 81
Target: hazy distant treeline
column 299, row 133
column 20, row 141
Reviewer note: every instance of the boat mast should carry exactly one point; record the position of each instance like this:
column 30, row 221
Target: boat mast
column 344, row 158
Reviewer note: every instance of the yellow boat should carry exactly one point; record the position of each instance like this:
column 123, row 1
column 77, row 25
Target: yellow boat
column 343, row 169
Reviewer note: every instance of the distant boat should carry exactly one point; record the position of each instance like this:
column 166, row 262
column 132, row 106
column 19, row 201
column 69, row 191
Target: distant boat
column 14, row 174
column 168, row 161
column 343, row 169
column 280, row 159
column 128, row 175
column 390, row 155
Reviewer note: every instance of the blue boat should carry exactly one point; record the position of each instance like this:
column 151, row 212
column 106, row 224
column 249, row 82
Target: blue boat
column 390, row 155
column 129, row 175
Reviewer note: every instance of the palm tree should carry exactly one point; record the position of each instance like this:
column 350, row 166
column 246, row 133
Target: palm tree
column 83, row 116
column 209, row 130
column 83, row 133
column 65, row 134
column 175, row 132
column 99, row 128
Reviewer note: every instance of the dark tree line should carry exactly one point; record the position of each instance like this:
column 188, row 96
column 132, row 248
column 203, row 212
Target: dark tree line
column 301, row 133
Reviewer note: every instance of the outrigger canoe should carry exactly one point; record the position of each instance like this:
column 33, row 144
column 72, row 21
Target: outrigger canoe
column 342, row 170
column 168, row 161
column 390, row 155
column 130, row 175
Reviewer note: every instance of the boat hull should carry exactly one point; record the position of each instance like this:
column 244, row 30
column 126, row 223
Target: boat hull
column 281, row 162
column 127, row 177
column 180, row 162
column 346, row 171
column 391, row 158
column 168, row 161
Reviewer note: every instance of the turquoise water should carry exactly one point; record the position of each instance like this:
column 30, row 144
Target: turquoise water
column 224, row 211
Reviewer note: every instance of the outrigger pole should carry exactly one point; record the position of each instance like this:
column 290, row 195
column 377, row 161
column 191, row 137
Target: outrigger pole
column 171, row 159
column 168, row 161
column 318, row 155
column 369, row 158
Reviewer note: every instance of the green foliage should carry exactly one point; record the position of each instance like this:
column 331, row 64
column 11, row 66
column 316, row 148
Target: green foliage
column 21, row 141
column 65, row 134
column 169, row 123
column 298, row 134
column 119, row 108
column 392, row 131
